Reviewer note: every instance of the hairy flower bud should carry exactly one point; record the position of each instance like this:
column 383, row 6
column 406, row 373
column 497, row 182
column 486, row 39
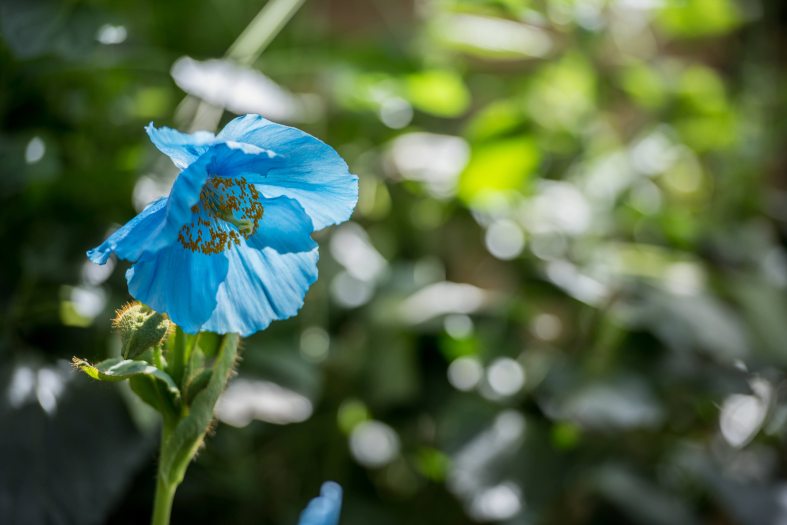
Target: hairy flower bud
column 140, row 328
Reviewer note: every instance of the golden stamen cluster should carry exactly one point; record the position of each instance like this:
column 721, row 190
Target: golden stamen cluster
column 232, row 200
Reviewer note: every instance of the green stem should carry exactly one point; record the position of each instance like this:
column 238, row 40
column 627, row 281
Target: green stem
column 246, row 49
column 165, row 493
column 263, row 29
column 162, row 506
column 182, row 436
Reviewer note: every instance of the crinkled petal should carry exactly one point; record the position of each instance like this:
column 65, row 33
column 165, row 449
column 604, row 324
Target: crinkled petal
column 180, row 283
column 182, row 148
column 303, row 168
column 261, row 286
column 285, row 227
column 325, row 509
column 157, row 226
column 183, row 196
column 130, row 240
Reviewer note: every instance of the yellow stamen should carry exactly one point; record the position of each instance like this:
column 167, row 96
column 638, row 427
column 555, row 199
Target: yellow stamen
column 232, row 201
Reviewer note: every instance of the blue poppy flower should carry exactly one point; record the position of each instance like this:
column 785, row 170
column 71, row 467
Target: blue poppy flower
column 325, row 509
column 230, row 248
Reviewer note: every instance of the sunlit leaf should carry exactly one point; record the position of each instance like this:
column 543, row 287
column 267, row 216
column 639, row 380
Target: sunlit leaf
column 644, row 84
column 118, row 369
column 697, row 18
column 501, row 166
column 498, row 118
column 439, row 92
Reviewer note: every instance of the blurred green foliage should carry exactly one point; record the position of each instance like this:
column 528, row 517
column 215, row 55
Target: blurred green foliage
column 565, row 302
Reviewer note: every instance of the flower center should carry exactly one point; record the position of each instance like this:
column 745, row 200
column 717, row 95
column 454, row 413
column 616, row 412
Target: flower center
column 228, row 208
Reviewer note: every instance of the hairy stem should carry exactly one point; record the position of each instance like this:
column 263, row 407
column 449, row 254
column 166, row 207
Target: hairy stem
column 182, row 438
column 165, row 493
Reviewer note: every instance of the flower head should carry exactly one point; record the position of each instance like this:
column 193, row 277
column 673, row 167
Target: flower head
column 230, row 248
column 324, row 509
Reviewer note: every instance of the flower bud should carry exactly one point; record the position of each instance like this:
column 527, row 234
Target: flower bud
column 140, row 328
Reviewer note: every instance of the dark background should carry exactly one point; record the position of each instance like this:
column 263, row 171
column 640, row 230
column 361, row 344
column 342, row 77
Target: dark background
column 606, row 177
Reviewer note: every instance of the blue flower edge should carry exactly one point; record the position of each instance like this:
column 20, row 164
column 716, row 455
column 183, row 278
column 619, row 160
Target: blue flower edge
column 324, row 509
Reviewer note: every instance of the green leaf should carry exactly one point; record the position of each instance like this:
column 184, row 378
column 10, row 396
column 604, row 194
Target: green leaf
column 209, row 343
column 179, row 349
column 432, row 463
column 156, row 394
column 118, row 369
column 498, row 167
column 181, row 444
column 441, row 93
column 698, row 18
column 495, row 120
column 644, row 85
column 194, row 366
column 195, row 384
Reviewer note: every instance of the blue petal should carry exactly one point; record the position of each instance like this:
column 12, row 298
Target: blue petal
column 180, row 283
column 158, row 225
column 285, row 227
column 129, row 241
column 325, row 509
column 182, row 197
column 182, row 148
column 261, row 286
column 305, row 169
